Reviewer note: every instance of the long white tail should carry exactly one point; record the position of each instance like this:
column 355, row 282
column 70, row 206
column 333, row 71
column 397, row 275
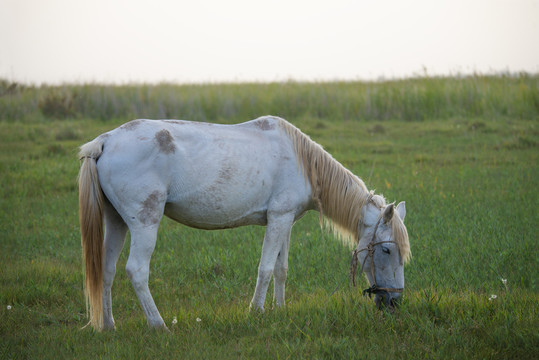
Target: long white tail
column 91, row 228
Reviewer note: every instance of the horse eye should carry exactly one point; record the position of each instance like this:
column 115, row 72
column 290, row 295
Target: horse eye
column 386, row 250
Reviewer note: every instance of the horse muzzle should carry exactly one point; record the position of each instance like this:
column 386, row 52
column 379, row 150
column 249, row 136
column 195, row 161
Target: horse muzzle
column 387, row 300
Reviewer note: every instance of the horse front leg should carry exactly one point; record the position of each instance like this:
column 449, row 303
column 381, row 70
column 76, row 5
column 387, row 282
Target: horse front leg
column 279, row 275
column 277, row 234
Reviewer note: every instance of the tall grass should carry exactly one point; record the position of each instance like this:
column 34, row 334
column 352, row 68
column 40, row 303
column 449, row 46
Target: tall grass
column 506, row 95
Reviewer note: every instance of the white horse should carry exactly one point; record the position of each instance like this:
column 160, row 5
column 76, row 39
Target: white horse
column 208, row 176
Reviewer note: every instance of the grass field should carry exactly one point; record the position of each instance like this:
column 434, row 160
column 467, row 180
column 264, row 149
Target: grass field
column 462, row 153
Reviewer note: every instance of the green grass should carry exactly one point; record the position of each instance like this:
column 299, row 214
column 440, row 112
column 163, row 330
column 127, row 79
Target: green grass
column 469, row 180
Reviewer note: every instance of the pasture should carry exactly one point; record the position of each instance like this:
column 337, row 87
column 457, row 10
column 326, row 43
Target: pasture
column 462, row 153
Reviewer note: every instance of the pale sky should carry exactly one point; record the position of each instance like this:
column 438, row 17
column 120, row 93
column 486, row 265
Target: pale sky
column 118, row 41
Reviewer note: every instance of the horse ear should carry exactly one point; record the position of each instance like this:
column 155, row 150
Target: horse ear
column 388, row 213
column 401, row 210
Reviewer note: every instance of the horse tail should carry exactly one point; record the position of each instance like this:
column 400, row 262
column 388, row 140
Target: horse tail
column 91, row 207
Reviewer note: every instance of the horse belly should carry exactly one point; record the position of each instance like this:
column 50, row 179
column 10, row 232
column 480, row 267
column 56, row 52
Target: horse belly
column 220, row 208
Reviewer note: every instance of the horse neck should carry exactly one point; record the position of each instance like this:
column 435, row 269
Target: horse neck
column 338, row 194
column 342, row 198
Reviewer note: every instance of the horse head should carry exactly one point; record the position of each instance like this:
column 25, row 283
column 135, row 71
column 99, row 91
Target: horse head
column 382, row 250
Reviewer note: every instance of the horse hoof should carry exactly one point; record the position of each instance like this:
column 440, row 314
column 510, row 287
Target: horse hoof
column 163, row 328
column 256, row 310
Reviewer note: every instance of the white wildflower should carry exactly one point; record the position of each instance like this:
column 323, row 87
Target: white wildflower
column 174, row 321
column 9, row 307
column 492, row 297
column 504, row 282
column 199, row 319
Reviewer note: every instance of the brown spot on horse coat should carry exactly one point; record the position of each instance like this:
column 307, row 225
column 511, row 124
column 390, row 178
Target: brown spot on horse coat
column 132, row 125
column 165, row 141
column 265, row 125
column 150, row 213
column 226, row 173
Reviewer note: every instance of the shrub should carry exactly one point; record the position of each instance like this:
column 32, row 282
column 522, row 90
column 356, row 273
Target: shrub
column 57, row 105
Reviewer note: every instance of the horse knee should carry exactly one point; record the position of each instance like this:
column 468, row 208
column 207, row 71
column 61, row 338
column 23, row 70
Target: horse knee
column 264, row 275
column 108, row 278
column 138, row 275
column 109, row 271
column 130, row 270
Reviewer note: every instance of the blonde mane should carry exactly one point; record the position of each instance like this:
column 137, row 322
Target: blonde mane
column 339, row 194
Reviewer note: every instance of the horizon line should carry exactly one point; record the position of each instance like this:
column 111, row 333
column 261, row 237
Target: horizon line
column 283, row 80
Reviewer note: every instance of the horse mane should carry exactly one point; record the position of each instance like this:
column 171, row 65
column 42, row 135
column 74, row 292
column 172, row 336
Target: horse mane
column 400, row 236
column 339, row 194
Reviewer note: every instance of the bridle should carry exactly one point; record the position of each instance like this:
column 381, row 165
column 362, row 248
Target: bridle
column 370, row 248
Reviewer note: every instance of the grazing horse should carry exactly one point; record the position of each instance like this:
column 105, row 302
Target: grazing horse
column 209, row 176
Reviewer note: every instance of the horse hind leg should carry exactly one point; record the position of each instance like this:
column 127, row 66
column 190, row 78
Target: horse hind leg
column 142, row 213
column 115, row 231
column 138, row 269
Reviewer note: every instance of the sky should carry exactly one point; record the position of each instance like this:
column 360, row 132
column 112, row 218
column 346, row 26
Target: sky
column 186, row 41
